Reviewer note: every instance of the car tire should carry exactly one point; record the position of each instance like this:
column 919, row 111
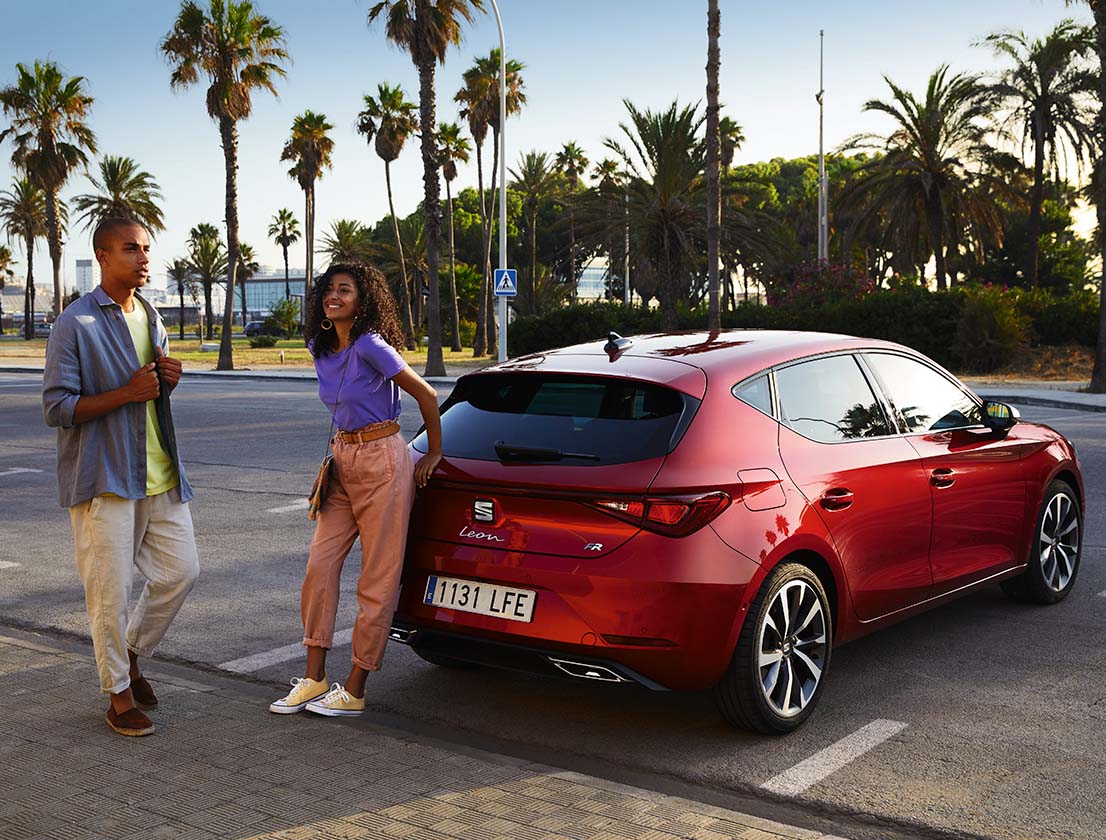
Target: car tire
column 443, row 661
column 750, row 694
column 1054, row 550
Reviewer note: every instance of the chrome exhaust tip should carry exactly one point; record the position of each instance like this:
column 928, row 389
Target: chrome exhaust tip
column 586, row 671
column 402, row 635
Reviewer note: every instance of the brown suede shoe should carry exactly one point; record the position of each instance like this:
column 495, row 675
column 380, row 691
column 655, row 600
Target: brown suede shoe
column 131, row 722
column 143, row 692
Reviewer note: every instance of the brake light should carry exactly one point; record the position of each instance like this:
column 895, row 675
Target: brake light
column 673, row 516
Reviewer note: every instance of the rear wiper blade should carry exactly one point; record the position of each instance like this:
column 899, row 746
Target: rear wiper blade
column 517, row 452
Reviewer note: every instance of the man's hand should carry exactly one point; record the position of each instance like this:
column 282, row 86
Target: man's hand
column 168, row 368
column 143, row 386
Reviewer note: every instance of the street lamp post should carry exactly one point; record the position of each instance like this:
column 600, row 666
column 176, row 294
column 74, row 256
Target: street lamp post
column 502, row 177
column 823, row 186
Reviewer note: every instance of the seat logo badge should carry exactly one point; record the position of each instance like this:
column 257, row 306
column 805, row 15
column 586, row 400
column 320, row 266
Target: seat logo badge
column 593, row 547
column 483, row 510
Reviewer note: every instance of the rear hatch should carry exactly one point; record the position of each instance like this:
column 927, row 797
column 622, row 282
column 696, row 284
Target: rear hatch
column 549, row 463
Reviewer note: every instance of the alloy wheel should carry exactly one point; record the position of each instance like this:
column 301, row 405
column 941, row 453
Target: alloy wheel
column 1059, row 541
column 792, row 648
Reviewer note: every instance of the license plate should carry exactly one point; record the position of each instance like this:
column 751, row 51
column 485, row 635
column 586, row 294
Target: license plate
column 482, row 598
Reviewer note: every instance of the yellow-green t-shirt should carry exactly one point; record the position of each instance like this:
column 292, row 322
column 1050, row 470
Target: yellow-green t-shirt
column 161, row 474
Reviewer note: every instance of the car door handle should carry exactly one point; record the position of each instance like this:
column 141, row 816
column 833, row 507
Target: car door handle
column 942, row 478
column 838, row 498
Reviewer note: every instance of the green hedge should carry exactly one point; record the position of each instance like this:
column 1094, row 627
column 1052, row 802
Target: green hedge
column 971, row 327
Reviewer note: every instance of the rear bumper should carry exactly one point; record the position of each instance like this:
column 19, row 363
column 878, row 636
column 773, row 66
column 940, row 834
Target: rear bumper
column 658, row 612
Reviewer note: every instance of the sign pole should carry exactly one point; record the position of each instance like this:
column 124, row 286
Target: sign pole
column 502, row 178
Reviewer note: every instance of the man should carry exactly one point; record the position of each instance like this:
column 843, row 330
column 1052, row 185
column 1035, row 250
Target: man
column 106, row 388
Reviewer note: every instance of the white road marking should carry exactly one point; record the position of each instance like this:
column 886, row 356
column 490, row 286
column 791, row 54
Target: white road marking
column 8, row 564
column 17, row 470
column 257, row 661
column 1102, row 594
column 300, row 505
column 812, row 770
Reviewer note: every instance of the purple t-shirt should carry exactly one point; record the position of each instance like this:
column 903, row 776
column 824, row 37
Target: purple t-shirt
column 368, row 394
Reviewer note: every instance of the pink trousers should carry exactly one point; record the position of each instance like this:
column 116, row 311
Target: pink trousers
column 372, row 488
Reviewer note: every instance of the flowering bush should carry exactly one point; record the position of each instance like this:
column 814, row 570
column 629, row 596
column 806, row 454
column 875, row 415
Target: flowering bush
column 820, row 282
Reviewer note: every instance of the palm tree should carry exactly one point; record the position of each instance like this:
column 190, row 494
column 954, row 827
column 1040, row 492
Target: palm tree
column 239, row 51
column 535, row 180
column 390, row 119
column 1048, row 92
column 23, row 215
column 572, row 163
column 452, row 148
column 7, row 258
column 426, row 29
column 348, row 241
column 1098, row 181
column 310, row 149
column 713, row 165
column 929, row 178
column 411, row 251
column 124, row 191
column 665, row 197
column 284, row 230
column 606, row 173
column 479, row 100
column 207, row 257
column 731, row 138
column 180, row 272
column 247, row 268
column 51, row 139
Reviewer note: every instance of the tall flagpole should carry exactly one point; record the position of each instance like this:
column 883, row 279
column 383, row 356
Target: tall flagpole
column 823, row 186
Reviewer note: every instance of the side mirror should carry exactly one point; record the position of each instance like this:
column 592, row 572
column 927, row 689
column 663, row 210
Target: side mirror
column 1000, row 416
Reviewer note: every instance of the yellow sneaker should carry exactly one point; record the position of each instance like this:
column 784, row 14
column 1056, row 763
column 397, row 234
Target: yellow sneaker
column 303, row 692
column 338, row 703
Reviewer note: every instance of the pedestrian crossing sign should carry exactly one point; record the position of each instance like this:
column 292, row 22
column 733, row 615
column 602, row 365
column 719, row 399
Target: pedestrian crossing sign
column 506, row 282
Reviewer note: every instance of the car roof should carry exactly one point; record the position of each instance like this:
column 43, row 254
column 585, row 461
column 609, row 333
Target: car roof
column 733, row 354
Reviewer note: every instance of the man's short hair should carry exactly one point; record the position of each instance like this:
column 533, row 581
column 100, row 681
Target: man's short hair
column 108, row 228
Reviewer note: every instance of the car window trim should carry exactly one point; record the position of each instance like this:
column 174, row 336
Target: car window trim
column 900, row 420
column 768, row 375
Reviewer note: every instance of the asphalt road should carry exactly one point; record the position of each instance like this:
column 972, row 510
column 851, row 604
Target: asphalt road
column 1003, row 705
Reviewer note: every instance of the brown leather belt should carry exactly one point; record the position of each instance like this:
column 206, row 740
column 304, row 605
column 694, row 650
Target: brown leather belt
column 374, row 431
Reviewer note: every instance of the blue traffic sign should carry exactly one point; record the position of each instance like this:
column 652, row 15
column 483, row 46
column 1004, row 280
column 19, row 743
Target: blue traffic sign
column 506, row 282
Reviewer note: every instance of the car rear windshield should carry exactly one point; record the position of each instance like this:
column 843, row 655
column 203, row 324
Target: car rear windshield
column 564, row 419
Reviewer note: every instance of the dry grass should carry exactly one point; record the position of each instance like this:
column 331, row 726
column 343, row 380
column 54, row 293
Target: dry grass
column 188, row 351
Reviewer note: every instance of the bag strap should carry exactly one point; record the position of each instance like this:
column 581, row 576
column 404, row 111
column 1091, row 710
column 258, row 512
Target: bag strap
column 337, row 402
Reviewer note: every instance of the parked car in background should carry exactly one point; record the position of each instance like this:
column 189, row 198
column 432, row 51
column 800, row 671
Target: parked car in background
column 720, row 510
column 256, row 328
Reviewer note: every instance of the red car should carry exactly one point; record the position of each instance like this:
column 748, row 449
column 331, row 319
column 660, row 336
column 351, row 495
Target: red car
column 700, row 510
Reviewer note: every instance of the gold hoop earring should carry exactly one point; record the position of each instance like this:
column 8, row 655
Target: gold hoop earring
column 326, row 324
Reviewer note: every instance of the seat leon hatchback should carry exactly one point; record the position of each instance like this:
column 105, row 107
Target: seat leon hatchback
column 719, row 510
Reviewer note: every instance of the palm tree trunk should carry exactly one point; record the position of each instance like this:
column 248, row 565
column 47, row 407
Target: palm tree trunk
column 209, row 316
column 287, row 284
column 309, row 245
column 1036, row 201
column 480, row 338
column 572, row 247
column 53, row 239
column 493, row 336
column 456, row 344
column 432, row 206
column 937, row 241
column 404, row 296
column 245, row 311
column 180, row 303
column 534, row 259
column 714, row 203
column 1098, row 374
column 228, row 130
column 29, row 292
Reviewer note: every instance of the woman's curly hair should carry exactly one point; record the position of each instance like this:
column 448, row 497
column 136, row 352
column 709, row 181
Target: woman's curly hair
column 376, row 312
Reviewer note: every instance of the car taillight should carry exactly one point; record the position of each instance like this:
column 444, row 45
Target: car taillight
column 673, row 516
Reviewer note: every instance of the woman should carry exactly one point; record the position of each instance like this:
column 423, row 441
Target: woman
column 352, row 331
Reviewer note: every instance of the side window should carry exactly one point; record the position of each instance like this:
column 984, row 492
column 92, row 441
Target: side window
column 926, row 400
column 757, row 393
column 829, row 400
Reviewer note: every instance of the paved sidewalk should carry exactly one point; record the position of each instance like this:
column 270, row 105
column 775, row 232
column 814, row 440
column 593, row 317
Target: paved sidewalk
column 221, row 766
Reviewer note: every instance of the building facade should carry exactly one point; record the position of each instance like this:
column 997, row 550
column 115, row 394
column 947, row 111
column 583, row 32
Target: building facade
column 88, row 276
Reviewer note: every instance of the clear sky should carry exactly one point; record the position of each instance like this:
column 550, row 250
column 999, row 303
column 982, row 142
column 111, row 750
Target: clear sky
column 582, row 57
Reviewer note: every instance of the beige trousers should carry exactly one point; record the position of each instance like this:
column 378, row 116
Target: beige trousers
column 114, row 535
column 372, row 489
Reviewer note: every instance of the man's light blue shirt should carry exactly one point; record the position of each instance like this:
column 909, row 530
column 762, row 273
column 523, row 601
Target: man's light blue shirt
column 90, row 351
